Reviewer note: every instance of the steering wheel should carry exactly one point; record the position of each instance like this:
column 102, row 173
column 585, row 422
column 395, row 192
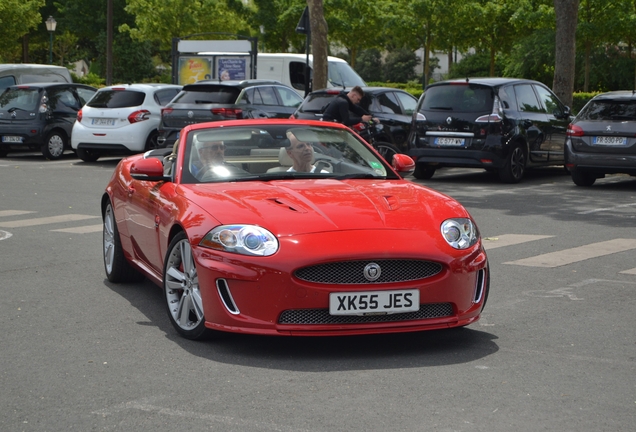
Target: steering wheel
column 322, row 164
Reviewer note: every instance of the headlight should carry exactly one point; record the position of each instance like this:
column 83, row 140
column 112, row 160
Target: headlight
column 241, row 239
column 460, row 233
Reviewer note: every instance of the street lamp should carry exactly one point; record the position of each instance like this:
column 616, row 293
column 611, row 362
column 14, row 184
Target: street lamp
column 50, row 26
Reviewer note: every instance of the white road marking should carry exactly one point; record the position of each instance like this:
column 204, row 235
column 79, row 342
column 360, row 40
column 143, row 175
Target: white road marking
column 4, row 213
column 630, row 271
column 81, row 229
column 509, row 239
column 45, row 220
column 581, row 253
column 5, row 235
column 607, row 208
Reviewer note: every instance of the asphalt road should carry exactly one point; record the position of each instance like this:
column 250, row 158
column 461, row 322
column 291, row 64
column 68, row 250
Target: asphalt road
column 555, row 349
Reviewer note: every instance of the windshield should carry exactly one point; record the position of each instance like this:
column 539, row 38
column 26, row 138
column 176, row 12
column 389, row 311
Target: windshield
column 277, row 152
column 609, row 110
column 457, row 98
column 341, row 75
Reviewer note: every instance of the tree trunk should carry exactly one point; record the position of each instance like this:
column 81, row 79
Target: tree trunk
column 588, row 54
column 318, row 43
column 566, row 12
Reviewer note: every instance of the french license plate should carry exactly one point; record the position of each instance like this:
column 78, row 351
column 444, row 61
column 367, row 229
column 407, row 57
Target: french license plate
column 442, row 141
column 606, row 140
column 103, row 122
column 11, row 139
column 374, row 302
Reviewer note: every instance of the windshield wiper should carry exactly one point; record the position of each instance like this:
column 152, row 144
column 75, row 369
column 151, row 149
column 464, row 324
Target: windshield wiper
column 15, row 108
column 441, row 108
column 360, row 176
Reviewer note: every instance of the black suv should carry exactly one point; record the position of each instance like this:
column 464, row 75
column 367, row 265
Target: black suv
column 602, row 138
column 212, row 100
column 40, row 116
column 393, row 107
column 499, row 124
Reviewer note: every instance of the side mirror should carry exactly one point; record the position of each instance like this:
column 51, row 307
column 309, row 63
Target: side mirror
column 148, row 170
column 403, row 164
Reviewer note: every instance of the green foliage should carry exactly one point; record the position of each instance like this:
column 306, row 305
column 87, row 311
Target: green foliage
column 474, row 65
column 611, row 68
column 369, row 65
column 91, row 79
column 532, row 57
column 17, row 18
column 399, row 65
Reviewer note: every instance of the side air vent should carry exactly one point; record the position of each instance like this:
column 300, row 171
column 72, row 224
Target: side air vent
column 226, row 296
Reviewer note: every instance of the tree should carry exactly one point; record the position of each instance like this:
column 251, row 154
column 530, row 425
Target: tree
column 318, row 43
column 566, row 12
column 279, row 19
column 17, row 18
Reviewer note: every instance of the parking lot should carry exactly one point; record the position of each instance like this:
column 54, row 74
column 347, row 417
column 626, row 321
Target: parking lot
column 555, row 348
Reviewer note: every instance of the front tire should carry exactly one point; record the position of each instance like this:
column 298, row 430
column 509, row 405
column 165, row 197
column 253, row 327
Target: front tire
column 386, row 150
column 54, row 146
column 117, row 268
column 515, row 165
column 181, row 289
column 87, row 155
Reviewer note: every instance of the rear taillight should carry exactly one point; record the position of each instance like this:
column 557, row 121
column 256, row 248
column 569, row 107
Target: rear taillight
column 574, row 130
column 138, row 116
column 292, row 117
column 496, row 116
column 79, row 116
column 165, row 111
column 230, row 113
column 359, row 127
column 419, row 116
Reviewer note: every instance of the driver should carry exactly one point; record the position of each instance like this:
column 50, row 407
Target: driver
column 211, row 154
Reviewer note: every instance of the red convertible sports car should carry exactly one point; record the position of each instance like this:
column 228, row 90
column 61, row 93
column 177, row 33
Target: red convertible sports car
column 288, row 227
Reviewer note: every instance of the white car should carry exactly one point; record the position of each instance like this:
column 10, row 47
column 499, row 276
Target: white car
column 121, row 119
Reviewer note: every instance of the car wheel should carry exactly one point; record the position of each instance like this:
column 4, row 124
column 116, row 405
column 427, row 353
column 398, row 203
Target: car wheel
column 386, row 150
column 181, row 288
column 151, row 141
column 54, row 146
column 87, row 155
column 423, row 172
column 515, row 165
column 582, row 178
column 117, row 268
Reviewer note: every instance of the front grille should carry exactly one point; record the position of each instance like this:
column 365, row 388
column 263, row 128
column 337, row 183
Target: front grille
column 321, row 316
column 352, row 272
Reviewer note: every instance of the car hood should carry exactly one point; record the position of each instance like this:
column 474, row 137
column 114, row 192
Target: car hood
column 309, row 206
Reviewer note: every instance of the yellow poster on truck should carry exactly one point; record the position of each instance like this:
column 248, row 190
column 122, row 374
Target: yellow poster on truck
column 193, row 69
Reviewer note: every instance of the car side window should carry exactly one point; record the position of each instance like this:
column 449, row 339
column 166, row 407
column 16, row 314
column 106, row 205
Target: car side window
column 268, row 95
column 63, row 100
column 527, row 99
column 389, row 103
column 163, row 97
column 248, row 97
column 85, row 94
column 550, row 101
column 408, row 103
column 289, row 97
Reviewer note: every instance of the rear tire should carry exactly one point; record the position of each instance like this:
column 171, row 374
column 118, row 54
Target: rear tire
column 87, row 155
column 117, row 268
column 423, row 172
column 515, row 165
column 582, row 178
column 151, row 142
column 54, row 145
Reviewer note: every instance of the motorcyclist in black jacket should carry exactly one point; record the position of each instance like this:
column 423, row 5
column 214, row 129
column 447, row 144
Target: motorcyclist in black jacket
column 344, row 105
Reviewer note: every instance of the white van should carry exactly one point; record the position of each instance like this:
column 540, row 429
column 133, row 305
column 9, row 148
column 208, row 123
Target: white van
column 286, row 68
column 25, row 73
column 290, row 69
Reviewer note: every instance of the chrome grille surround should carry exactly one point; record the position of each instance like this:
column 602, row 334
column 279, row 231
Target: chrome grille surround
column 352, row 272
column 321, row 316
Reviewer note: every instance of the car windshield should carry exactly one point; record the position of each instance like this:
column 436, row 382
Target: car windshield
column 608, row 110
column 23, row 99
column 457, row 98
column 278, row 152
column 207, row 94
column 340, row 74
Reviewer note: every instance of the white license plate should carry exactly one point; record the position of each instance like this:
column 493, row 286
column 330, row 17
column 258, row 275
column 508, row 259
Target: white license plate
column 103, row 122
column 449, row 141
column 605, row 140
column 374, row 302
column 11, row 139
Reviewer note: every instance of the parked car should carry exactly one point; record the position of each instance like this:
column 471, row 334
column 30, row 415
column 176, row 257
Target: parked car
column 393, row 107
column 501, row 124
column 602, row 138
column 121, row 119
column 242, row 243
column 40, row 116
column 211, row 100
